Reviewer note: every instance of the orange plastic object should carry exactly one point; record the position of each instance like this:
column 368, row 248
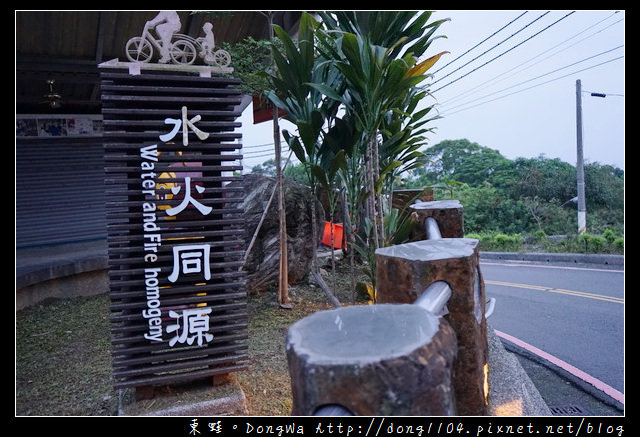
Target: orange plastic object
column 338, row 235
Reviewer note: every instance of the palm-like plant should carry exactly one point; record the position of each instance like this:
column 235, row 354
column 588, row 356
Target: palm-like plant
column 366, row 64
column 377, row 54
column 319, row 139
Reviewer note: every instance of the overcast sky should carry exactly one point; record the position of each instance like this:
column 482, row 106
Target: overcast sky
column 509, row 83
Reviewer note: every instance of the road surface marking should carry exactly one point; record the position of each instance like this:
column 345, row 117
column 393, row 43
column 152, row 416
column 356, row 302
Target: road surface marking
column 557, row 290
column 539, row 266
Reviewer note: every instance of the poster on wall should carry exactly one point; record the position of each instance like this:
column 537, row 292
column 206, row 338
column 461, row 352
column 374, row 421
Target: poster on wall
column 48, row 126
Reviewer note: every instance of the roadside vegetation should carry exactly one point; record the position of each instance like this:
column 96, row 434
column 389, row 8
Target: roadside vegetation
column 540, row 242
column 522, row 205
column 527, row 204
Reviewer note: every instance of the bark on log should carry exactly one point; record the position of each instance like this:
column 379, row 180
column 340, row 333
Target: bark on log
column 404, row 271
column 372, row 360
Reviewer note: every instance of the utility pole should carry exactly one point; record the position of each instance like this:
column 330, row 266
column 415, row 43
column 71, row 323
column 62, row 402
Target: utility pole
column 582, row 208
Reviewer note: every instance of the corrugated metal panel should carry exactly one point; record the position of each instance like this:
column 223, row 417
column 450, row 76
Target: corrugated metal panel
column 135, row 110
column 60, row 192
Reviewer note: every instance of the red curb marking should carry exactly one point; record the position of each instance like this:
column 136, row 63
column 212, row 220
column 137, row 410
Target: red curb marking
column 615, row 394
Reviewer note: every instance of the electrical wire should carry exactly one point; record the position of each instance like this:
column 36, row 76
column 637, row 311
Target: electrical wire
column 481, row 42
column 480, row 87
column 537, row 85
column 505, row 52
column 259, row 155
column 257, row 145
column 538, row 77
column 487, row 51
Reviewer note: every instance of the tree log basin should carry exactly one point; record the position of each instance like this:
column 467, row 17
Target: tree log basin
column 362, row 334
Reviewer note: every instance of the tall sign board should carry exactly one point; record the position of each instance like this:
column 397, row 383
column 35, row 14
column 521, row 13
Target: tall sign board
column 175, row 227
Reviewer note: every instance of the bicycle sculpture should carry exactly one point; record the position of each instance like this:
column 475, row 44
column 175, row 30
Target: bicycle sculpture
column 173, row 46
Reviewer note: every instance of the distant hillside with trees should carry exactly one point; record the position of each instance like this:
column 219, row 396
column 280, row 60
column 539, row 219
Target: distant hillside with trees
column 526, row 196
column 508, row 202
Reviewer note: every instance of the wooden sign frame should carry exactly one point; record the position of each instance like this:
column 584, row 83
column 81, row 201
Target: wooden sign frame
column 175, row 227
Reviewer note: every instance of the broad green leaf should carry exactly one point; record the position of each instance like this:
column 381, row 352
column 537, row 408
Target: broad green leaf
column 327, row 91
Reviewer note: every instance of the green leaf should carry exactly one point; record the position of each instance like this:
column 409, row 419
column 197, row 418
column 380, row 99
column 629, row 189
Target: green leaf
column 319, row 173
column 327, row 91
column 295, row 146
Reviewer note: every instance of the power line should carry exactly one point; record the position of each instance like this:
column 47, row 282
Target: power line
column 538, row 77
column 479, row 87
column 291, row 155
column 258, row 151
column 481, row 42
column 260, row 155
column 568, row 47
column 540, row 84
column 505, row 52
column 258, row 145
column 487, row 51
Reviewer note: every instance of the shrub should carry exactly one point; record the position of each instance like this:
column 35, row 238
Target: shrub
column 618, row 244
column 598, row 244
column 584, row 240
column 485, row 240
column 540, row 236
column 572, row 243
column 507, row 242
column 609, row 235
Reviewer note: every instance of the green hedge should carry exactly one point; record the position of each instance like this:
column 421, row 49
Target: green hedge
column 608, row 242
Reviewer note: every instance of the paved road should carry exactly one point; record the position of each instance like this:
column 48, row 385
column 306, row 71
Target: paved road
column 574, row 313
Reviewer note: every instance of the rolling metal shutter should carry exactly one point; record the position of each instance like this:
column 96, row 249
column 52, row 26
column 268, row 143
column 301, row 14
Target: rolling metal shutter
column 60, row 193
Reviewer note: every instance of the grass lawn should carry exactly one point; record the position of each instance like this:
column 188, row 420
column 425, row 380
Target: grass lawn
column 63, row 351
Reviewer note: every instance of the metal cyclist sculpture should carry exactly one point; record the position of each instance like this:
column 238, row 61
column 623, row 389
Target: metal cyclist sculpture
column 173, row 46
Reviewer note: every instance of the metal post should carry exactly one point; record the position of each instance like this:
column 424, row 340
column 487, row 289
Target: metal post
column 432, row 229
column 434, row 298
column 582, row 208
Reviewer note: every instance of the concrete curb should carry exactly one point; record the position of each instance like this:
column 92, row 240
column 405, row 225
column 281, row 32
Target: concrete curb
column 511, row 391
column 566, row 375
column 34, row 266
column 569, row 258
column 191, row 399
